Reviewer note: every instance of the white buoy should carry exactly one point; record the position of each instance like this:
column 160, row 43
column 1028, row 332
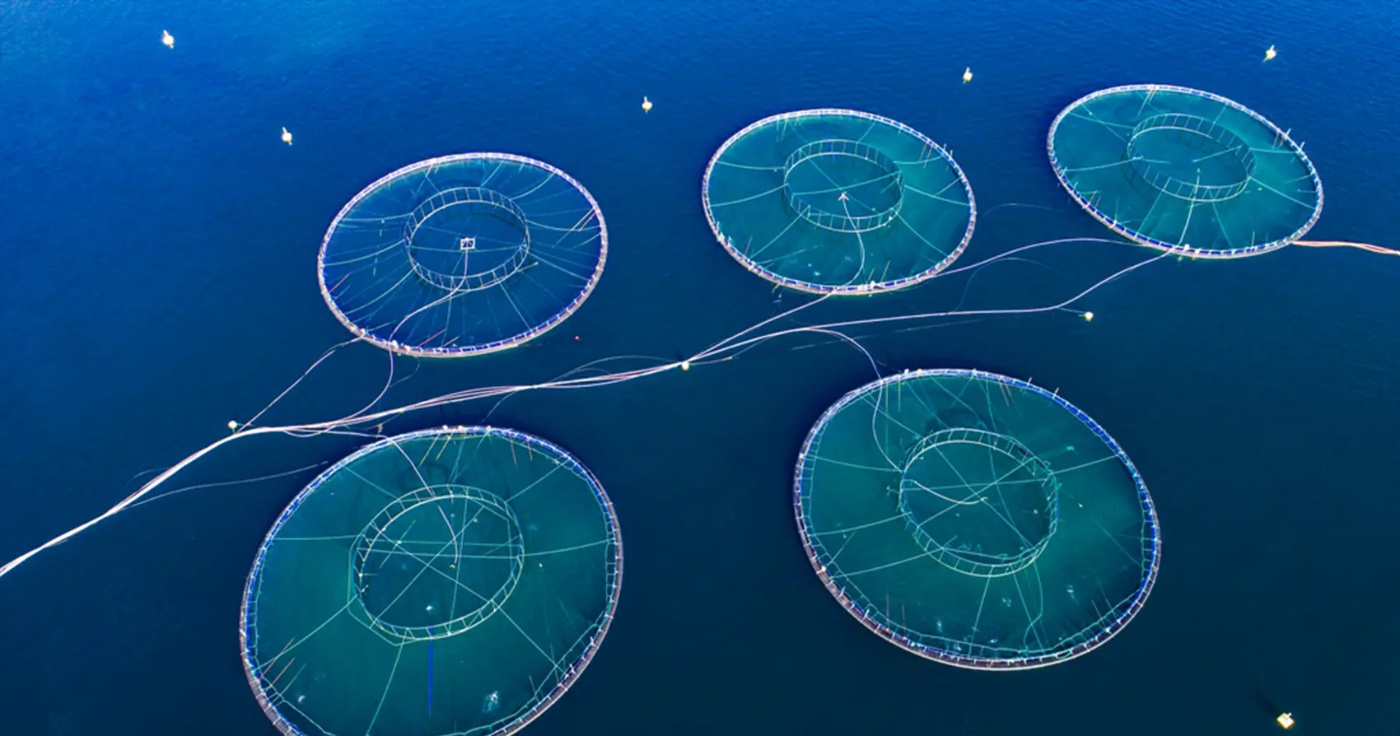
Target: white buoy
column 685, row 365
column 646, row 104
column 1088, row 316
column 1268, row 56
column 286, row 136
column 967, row 75
column 232, row 425
column 167, row 39
column 1285, row 720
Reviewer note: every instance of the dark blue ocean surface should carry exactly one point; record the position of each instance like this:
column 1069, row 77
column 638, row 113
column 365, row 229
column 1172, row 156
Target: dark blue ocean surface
column 159, row 280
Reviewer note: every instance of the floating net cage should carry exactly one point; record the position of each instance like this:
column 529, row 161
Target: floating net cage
column 463, row 254
column 975, row 519
column 1185, row 171
column 449, row 581
column 838, row 201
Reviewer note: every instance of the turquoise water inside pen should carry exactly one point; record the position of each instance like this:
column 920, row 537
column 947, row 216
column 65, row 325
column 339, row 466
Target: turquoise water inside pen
column 159, row 280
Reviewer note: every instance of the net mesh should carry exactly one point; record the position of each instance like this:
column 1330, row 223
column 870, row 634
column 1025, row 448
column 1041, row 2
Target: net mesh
column 1185, row 171
column 463, row 254
column 451, row 581
column 838, row 201
column 975, row 519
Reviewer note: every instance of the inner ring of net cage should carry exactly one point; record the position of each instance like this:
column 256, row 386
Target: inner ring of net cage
column 375, row 543
column 975, row 562
column 1214, row 142
column 843, row 221
column 480, row 202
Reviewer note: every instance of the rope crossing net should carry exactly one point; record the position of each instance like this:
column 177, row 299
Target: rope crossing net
column 451, row 581
column 975, row 519
column 838, row 201
column 463, row 254
column 1185, row 171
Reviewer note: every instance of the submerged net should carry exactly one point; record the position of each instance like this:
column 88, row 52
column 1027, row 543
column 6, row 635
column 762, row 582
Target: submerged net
column 1185, row 171
column 838, row 201
column 463, row 254
column 451, row 581
column 975, row 519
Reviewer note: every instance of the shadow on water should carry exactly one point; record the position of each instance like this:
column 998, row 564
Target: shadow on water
column 1266, row 704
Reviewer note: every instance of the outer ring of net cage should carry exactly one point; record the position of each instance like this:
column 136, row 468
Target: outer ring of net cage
column 978, row 663
column 250, row 670
column 1182, row 249
column 850, row 289
column 495, row 345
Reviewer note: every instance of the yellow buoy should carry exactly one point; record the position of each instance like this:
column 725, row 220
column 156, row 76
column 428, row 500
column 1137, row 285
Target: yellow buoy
column 232, row 425
column 286, row 136
column 1270, row 54
column 1285, row 720
column 1088, row 316
column 967, row 75
column 167, row 39
column 646, row 105
column 685, row 365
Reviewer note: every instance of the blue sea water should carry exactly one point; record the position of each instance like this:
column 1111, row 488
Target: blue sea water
column 159, row 280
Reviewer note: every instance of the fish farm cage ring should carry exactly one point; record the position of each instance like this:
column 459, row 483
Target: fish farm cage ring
column 975, row 519
column 446, row 582
column 463, row 254
column 838, row 201
column 1185, row 171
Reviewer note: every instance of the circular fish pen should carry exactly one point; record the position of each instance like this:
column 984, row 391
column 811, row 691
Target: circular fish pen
column 975, row 519
column 447, row 582
column 1185, row 171
column 838, row 201
column 462, row 254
